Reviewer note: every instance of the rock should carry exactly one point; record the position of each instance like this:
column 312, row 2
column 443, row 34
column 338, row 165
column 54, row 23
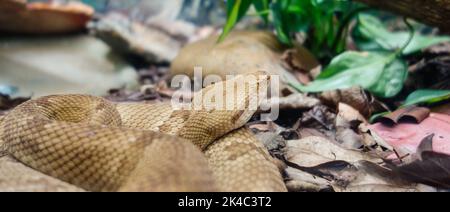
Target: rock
column 201, row 13
column 148, row 44
column 43, row 18
column 209, row 12
column 78, row 64
column 241, row 52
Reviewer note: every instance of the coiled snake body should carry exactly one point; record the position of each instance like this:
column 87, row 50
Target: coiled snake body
column 98, row 145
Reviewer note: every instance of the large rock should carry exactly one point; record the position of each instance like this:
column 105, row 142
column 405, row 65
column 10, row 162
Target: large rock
column 78, row 64
column 132, row 39
column 43, row 18
column 241, row 52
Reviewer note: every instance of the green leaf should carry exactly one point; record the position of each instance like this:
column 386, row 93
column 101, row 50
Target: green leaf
column 279, row 17
column 391, row 82
column 262, row 6
column 332, row 6
column 372, row 35
column 381, row 73
column 236, row 9
column 427, row 96
column 373, row 118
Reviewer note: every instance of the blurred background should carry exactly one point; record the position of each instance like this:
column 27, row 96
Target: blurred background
column 47, row 50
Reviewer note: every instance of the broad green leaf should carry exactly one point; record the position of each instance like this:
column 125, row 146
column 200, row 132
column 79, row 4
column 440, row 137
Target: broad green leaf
column 262, row 6
column 373, row 35
column 281, row 26
column 427, row 96
column 331, row 6
column 392, row 80
column 381, row 73
column 236, row 9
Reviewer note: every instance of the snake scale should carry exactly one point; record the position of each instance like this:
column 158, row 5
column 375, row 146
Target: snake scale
column 86, row 143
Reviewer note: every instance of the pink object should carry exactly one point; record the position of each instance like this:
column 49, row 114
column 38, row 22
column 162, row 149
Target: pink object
column 405, row 138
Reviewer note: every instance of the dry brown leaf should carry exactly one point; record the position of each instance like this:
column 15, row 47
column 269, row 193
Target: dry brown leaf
column 361, row 176
column 406, row 137
column 319, row 116
column 348, row 138
column 347, row 124
column 428, row 167
column 300, row 61
column 7, row 103
column 355, row 97
column 313, row 151
column 367, row 178
column 409, row 114
column 443, row 109
column 350, row 114
column 300, row 181
column 260, row 127
column 43, row 18
column 294, row 101
column 305, row 132
column 272, row 141
column 346, row 177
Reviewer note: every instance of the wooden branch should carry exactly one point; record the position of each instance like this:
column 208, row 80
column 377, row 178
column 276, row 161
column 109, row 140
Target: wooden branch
column 432, row 12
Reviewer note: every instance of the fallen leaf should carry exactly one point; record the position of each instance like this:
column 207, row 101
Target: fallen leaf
column 305, row 132
column 7, row 103
column 408, row 114
column 319, row 115
column 300, row 62
column 347, row 125
column 313, row 151
column 429, row 168
column 361, row 176
column 43, row 18
column 406, row 137
column 349, row 114
column 443, row 109
column 272, row 141
column 300, row 181
column 294, row 101
column 354, row 97
column 348, row 138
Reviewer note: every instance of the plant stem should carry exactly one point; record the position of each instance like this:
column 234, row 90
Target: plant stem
column 412, row 32
column 344, row 24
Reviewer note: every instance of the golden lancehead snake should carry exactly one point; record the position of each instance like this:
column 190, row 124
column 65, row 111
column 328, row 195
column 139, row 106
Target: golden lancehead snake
column 80, row 142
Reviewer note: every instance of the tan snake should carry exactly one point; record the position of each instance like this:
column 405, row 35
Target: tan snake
column 96, row 145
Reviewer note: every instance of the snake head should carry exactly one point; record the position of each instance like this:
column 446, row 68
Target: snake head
column 223, row 107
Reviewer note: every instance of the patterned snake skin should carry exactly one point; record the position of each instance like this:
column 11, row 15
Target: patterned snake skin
column 85, row 143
